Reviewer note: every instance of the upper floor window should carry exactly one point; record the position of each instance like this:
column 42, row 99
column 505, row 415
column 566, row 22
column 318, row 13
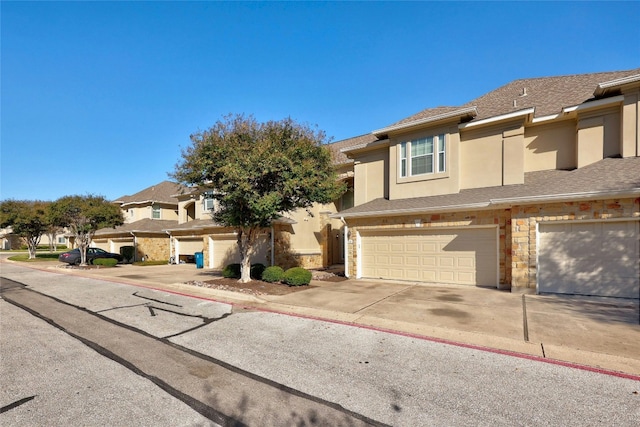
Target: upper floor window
column 423, row 156
column 155, row 212
column 208, row 201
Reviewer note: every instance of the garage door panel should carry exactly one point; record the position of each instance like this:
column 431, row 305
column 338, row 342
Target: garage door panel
column 465, row 256
column 590, row 258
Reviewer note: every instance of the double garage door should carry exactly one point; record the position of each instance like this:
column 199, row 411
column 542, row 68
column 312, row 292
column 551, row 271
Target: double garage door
column 462, row 256
column 589, row 258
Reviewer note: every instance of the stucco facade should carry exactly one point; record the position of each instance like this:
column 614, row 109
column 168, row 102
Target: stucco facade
column 527, row 158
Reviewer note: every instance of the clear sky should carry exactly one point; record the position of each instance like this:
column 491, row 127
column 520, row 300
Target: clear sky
column 100, row 97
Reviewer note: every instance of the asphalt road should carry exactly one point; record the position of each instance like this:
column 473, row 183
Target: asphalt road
column 173, row 360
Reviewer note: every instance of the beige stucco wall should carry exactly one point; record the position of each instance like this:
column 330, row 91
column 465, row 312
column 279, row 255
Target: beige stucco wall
column 524, row 225
column 630, row 125
column 136, row 213
column 501, row 218
column 481, row 157
column 598, row 136
column 371, row 176
column 427, row 184
column 550, row 146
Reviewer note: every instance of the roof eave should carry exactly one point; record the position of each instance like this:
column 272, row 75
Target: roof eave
column 602, row 88
column 467, row 111
column 500, row 118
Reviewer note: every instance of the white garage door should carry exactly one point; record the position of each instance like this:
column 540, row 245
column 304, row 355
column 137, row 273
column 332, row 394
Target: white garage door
column 461, row 256
column 590, row 258
column 189, row 246
column 225, row 251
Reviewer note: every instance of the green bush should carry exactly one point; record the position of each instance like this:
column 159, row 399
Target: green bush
column 257, row 270
column 106, row 262
column 297, row 276
column 231, row 271
column 272, row 274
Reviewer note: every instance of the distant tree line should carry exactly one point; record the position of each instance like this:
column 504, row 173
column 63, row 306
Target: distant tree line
column 82, row 216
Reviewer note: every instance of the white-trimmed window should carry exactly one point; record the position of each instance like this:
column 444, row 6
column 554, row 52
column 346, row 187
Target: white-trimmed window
column 208, row 201
column 155, row 212
column 423, row 156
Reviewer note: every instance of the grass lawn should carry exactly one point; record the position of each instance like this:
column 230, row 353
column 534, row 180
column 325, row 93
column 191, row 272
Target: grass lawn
column 24, row 257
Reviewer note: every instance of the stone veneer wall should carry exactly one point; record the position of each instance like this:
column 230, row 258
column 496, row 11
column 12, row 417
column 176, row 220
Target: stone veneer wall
column 152, row 248
column 524, row 228
column 501, row 218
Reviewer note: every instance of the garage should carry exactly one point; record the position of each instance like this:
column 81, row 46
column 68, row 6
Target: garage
column 466, row 256
column 589, row 258
column 224, row 251
column 186, row 247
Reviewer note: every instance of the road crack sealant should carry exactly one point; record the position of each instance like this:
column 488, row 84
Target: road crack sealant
column 226, row 395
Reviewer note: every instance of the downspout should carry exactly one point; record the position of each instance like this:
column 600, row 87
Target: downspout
column 135, row 246
column 170, row 247
column 346, row 247
column 273, row 247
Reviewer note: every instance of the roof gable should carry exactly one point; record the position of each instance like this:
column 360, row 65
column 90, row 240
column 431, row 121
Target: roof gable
column 163, row 192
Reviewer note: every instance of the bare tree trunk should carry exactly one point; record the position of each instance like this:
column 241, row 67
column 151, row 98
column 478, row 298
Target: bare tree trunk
column 32, row 245
column 246, row 242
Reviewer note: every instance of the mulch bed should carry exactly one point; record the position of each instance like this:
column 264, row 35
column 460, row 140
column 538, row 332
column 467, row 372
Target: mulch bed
column 258, row 287
column 254, row 287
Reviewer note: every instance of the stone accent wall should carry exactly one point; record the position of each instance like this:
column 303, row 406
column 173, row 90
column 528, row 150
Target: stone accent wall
column 153, row 248
column 501, row 218
column 286, row 257
column 524, row 228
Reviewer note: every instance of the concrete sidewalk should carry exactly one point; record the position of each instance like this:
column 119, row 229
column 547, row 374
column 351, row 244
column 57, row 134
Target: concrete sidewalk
column 601, row 333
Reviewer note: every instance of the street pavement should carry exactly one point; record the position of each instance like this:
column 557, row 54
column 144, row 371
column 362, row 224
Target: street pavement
column 598, row 333
column 601, row 333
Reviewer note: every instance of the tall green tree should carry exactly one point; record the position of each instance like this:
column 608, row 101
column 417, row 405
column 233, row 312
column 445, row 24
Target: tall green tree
column 258, row 171
column 27, row 219
column 84, row 215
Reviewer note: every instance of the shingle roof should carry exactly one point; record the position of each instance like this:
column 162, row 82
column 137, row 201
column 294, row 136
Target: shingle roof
column 608, row 176
column 339, row 157
column 548, row 95
column 161, row 193
column 146, row 225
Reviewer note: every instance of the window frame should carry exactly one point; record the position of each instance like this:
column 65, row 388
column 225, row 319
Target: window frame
column 156, row 212
column 437, row 156
column 208, row 201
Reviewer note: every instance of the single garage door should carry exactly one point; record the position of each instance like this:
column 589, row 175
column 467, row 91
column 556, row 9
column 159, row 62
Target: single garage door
column 461, row 256
column 589, row 258
column 185, row 248
column 225, row 251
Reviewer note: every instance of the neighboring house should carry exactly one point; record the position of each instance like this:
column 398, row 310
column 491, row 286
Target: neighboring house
column 534, row 186
column 147, row 214
column 307, row 238
column 9, row 241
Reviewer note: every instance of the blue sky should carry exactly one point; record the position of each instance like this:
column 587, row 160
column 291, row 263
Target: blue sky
column 100, row 97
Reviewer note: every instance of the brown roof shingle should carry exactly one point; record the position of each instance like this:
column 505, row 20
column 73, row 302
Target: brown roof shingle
column 548, row 95
column 339, row 157
column 162, row 193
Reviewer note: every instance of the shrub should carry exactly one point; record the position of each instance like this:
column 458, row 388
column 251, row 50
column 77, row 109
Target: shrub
column 107, row 262
column 257, row 270
column 272, row 274
column 297, row 276
column 231, row 271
